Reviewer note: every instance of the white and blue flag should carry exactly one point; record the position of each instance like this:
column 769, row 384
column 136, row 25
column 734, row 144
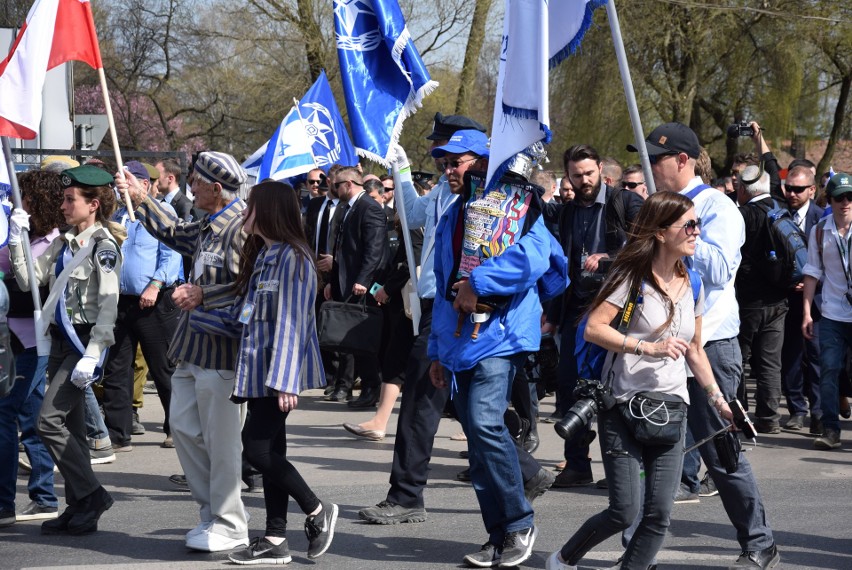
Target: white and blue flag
column 312, row 135
column 537, row 36
column 252, row 164
column 384, row 79
column 5, row 204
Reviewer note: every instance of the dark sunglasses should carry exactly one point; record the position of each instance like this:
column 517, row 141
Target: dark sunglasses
column 691, row 226
column 633, row 185
column 796, row 189
column 847, row 196
column 657, row 158
column 337, row 184
column 445, row 164
column 314, row 181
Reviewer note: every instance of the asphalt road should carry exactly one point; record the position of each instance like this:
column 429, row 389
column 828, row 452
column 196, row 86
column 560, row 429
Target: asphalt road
column 808, row 497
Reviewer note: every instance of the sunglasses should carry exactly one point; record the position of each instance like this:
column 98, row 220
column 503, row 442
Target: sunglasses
column 796, row 189
column 691, row 226
column 453, row 164
column 657, row 158
column 337, row 184
column 315, row 182
column 633, row 185
column 846, row 196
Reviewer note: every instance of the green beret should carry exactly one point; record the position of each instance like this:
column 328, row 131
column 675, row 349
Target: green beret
column 86, row 175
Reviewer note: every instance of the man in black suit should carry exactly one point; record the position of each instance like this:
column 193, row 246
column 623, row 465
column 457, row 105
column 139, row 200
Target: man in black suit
column 361, row 250
column 169, row 189
column 800, row 356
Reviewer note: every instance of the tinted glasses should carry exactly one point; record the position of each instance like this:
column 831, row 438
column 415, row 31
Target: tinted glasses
column 795, row 189
column 633, row 185
column 846, row 196
column 453, row 164
column 691, row 226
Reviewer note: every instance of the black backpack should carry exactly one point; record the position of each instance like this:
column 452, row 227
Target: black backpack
column 788, row 249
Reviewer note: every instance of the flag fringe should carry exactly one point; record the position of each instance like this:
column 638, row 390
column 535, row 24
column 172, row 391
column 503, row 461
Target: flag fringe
column 572, row 46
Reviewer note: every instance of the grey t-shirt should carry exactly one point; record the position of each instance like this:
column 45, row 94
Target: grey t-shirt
column 633, row 373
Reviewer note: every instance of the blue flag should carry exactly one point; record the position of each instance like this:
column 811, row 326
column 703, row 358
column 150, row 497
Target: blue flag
column 384, row 79
column 312, row 135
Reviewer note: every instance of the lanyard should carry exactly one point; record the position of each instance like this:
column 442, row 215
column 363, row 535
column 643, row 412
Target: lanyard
column 844, row 245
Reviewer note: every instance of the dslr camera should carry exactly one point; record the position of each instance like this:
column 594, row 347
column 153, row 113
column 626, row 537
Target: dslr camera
column 741, row 129
column 592, row 397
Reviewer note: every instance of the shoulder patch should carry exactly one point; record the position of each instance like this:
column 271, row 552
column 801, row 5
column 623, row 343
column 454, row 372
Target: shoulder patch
column 107, row 259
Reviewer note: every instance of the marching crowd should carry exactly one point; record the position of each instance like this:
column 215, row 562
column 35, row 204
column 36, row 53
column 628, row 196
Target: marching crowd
column 214, row 293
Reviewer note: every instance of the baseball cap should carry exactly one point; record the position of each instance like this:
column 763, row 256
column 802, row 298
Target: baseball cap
column 467, row 140
column 671, row 137
column 445, row 127
column 137, row 169
column 840, row 183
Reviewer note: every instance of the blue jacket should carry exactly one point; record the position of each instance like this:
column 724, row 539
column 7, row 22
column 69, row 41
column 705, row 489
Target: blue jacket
column 513, row 329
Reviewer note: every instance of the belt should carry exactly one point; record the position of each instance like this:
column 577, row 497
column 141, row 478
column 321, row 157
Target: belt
column 56, row 331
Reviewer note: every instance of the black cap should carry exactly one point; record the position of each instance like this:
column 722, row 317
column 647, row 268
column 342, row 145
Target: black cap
column 839, row 184
column 671, row 137
column 420, row 176
column 86, row 175
column 445, row 127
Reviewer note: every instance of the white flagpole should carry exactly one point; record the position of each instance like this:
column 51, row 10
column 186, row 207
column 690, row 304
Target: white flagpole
column 118, row 161
column 42, row 342
column 409, row 249
column 632, row 107
column 302, row 121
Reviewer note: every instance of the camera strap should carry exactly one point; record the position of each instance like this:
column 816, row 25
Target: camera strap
column 634, row 299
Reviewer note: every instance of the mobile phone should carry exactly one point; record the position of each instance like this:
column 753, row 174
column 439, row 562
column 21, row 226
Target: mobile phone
column 375, row 288
column 741, row 419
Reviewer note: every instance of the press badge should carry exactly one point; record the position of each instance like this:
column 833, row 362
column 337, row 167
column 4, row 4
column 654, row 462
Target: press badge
column 246, row 313
column 269, row 286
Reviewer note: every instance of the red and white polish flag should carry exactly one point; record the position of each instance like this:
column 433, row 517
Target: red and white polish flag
column 56, row 31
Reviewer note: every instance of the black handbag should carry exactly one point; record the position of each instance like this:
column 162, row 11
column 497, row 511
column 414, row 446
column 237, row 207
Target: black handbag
column 351, row 328
column 654, row 418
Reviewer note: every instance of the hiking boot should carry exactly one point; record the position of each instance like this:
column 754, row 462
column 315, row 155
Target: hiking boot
column 261, row 551
column 517, row 546
column 319, row 529
column 487, row 557
column 387, row 512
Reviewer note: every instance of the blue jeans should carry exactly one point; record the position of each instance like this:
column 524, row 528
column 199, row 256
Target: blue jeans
column 482, row 399
column 95, row 427
column 20, row 409
column 834, row 341
column 738, row 491
column 623, row 460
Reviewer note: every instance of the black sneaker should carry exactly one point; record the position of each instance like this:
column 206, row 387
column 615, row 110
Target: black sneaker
column 708, row 487
column 684, row 495
column 830, row 439
column 539, row 484
column 463, row 475
column 487, row 557
column 320, row 530
column 34, row 512
column 816, row 426
column 570, row 478
column 387, row 512
column 261, row 551
column 766, row 558
column 7, row 518
column 518, row 546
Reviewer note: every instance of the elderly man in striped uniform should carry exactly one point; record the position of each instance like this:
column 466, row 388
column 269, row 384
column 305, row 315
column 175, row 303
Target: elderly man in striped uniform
column 205, row 424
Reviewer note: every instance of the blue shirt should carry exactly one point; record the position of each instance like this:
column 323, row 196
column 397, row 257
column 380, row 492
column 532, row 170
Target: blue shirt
column 145, row 258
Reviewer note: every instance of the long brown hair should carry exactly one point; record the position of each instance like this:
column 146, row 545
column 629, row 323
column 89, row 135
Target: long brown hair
column 44, row 197
column 277, row 215
column 633, row 263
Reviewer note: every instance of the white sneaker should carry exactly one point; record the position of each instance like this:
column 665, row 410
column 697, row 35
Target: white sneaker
column 210, row 541
column 200, row 529
column 554, row 563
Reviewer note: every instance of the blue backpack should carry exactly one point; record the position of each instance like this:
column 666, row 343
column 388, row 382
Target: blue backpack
column 590, row 357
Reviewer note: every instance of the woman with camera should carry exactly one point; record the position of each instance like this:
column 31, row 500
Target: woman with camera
column 645, row 370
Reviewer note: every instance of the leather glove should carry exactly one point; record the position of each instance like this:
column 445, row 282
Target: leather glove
column 400, row 159
column 19, row 220
column 84, row 373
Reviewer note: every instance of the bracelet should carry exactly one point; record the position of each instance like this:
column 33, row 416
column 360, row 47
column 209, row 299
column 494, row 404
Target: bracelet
column 624, row 344
column 713, row 398
column 638, row 348
column 156, row 284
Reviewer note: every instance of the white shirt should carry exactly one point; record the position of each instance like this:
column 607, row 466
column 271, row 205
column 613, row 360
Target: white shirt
column 834, row 305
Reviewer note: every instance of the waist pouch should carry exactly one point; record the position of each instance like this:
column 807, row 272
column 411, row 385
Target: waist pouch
column 654, row 418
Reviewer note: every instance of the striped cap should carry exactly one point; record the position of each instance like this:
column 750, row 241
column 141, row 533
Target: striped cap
column 222, row 168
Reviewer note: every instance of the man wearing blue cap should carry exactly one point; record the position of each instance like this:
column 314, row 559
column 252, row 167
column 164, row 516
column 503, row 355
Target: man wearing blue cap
column 480, row 360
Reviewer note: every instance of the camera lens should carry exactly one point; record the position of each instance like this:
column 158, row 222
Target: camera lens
column 576, row 418
column 733, row 131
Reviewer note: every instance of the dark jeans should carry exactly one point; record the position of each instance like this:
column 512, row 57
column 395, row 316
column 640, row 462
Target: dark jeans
column 761, row 341
column 738, row 491
column 265, row 448
column 576, row 449
column 153, row 329
column 419, row 415
column 62, row 421
column 834, row 343
column 19, row 410
column 623, row 460
column 800, row 363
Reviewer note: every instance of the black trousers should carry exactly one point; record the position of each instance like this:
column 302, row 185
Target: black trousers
column 152, row 329
column 265, row 448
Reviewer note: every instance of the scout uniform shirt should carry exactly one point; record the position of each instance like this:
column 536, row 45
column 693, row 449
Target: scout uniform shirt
column 214, row 243
column 91, row 297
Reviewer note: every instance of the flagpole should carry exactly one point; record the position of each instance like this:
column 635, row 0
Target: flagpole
column 114, row 136
column 42, row 344
column 632, row 107
column 302, row 121
column 399, row 202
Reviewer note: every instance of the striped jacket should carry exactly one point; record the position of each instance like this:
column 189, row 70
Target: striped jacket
column 279, row 350
column 214, row 243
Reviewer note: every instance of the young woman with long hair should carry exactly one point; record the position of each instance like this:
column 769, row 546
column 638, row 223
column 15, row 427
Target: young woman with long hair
column 278, row 358
column 82, row 267
column 663, row 337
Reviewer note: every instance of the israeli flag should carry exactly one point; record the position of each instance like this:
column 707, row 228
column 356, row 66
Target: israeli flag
column 537, row 36
column 252, row 163
column 384, row 79
column 5, row 204
column 312, row 135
